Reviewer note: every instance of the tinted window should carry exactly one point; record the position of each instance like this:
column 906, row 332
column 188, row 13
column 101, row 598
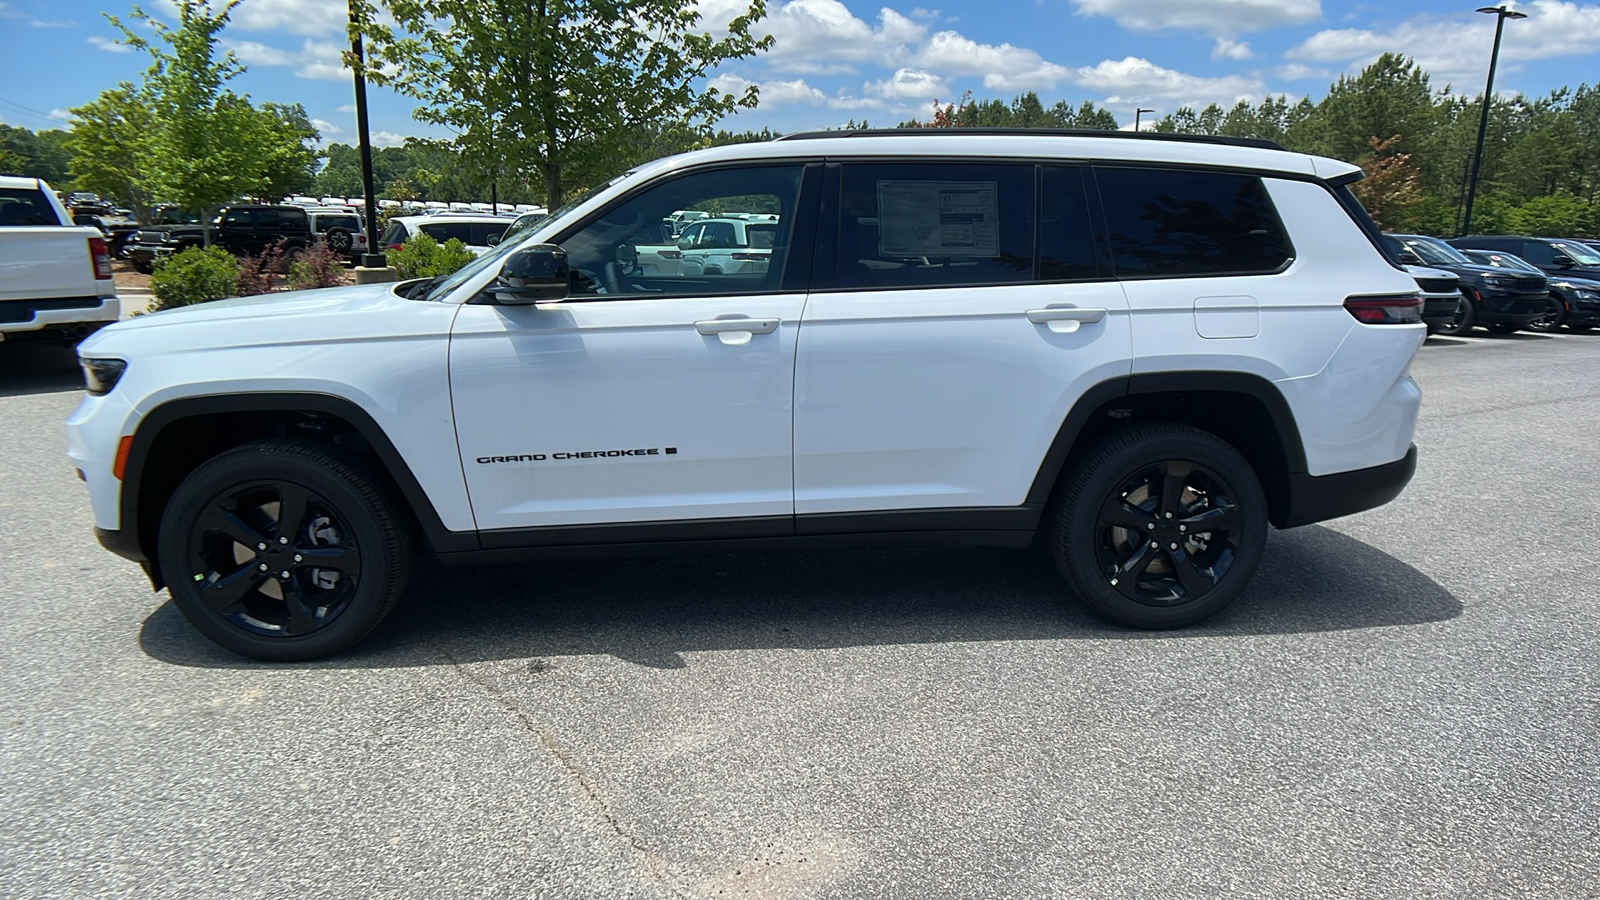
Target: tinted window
column 935, row 225
column 1066, row 241
column 482, row 232
column 25, row 206
column 1163, row 222
column 444, row 231
column 1538, row 253
column 760, row 236
column 349, row 223
column 624, row 251
column 395, row 234
column 238, row 218
column 1578, row 253
column 293, row 219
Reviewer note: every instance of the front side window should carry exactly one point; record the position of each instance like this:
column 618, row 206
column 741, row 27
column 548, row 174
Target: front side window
column 935, row 225
column 626, row 251
column 1176, row 223
column 1539, row 253
column 1578, row 253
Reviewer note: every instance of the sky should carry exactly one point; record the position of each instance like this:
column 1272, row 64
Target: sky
column 840, row 60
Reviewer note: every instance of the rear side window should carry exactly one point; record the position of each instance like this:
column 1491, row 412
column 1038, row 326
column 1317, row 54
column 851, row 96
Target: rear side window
column 481, row 232
column 935, row 225
column 444, row 231
column 1173, row 223
column 293, row 219
column 1538, row 253
column 349, row 223
column 25, row 206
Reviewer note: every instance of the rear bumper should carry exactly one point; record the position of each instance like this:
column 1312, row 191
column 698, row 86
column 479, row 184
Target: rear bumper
column 1316, row 498
column 23, row 316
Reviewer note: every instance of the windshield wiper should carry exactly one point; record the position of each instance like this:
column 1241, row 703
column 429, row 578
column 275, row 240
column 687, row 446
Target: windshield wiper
column 420, row 289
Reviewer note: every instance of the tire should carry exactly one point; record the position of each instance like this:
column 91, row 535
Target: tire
column 340, row 240
column 1504, row 329
column 1466, row 315
column 1553, row 317
column 143, row 268
column 1114, row 515
column 224, row 524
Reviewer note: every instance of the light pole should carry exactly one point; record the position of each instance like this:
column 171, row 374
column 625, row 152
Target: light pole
column 1501, row 14
column 1136, row 114
column 371, row 258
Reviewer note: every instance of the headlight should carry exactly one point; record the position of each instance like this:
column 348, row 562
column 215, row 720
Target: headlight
column 1497, row 280
column 101, row 375
column 1588, row 295
column 170, row 239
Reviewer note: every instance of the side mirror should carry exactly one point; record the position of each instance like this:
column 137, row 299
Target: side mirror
column 494, row 239
column 1409, row 258
column 684, row 243
column 531, row 275
column 1564, row 261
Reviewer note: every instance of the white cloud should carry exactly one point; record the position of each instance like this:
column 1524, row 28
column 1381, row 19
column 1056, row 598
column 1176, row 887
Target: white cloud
column 348, row 109
column 1298, row 72
column 387, row 139
column 325, row 128
column 1226, row 49
column 109, row 45
column 909, row 84
column 1214, row 17
column 314, row 59
column 1457, row 47
column 1132, row 82
column 316, row 18
column 53, row 23
column 1004, row 68
column 808, row 31
column 61, row 115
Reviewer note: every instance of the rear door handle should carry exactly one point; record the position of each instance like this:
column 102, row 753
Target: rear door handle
column 736, row 331
column 1065, row 319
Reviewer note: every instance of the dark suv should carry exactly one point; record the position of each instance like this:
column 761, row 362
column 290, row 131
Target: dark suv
column 245, row 229
column 1574, row 302
column 1501, row 300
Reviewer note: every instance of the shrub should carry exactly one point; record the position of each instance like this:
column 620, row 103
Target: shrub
column 424, row 257
column 194, row 276
column 255, row 272
column 317, row 267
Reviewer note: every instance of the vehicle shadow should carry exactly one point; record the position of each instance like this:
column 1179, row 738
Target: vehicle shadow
column 42, row 367
column 651, row 611
column 1439, row 340
column 1514, row 336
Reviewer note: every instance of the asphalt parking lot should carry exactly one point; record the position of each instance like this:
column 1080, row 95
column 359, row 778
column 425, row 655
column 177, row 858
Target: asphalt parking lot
column 1403, row 705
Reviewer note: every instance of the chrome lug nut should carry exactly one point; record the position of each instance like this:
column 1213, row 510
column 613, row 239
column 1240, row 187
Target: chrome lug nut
column 1182, row 528
column 262, row 567
column 1151, row 526
column 1173, row 546
column 1169, row 515
column 261, row 546
column 285, row 573
column 1155, row 543
column 284, row 540
column 298, row 557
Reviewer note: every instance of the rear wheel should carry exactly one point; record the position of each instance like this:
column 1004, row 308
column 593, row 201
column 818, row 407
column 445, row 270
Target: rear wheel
column 1160, row 526
column 1462, row 321
column 283, row 550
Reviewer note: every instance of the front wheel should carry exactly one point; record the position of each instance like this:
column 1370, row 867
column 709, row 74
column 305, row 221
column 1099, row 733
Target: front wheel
column 1160, row 526
column 284, row 550
column 1553, row 317
column 1461, row 321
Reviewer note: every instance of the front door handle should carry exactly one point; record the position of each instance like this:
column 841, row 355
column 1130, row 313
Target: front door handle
column 1065, row 319
column 736, row 331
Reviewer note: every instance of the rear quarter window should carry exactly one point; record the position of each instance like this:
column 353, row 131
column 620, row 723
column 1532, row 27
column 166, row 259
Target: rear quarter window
column 1167, row 223
column 25, row 206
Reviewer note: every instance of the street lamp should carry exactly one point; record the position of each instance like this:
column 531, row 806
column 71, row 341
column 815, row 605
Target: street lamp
column 1136, row 114
column 370, row 258
column 1501, row 14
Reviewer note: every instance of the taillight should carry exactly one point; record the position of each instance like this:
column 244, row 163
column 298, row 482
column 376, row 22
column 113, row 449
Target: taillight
column 1389, row 309
column 101, row 258
column 396, row 246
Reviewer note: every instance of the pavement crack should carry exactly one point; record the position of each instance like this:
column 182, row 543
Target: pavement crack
column 586, row 784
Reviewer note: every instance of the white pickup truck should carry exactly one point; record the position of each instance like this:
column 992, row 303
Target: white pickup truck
column 55, row 277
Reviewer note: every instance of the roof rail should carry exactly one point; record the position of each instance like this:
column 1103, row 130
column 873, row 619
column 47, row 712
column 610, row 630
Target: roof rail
column 1259, row 143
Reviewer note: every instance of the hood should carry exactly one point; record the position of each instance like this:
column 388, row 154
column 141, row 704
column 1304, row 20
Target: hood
column 296, row 317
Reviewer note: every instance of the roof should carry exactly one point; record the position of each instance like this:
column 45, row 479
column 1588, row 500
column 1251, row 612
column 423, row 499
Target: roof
column 18, row 182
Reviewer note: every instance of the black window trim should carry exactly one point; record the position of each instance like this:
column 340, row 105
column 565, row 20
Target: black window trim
column 1294, row 252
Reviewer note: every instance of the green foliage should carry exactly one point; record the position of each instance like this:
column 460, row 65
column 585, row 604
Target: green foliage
column 36, row 154
column 1024, row 111
column 424, row 257
column 194, row 276
column 541, row 92
column 318, row 267
column 115, row 150
column 288, row 154
column 1556, row 215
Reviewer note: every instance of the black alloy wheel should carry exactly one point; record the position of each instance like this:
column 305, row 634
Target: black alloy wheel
column 1463, row 319
column 1160, row 526
column 1553, row 316
column 284, row 550
column 274, row 558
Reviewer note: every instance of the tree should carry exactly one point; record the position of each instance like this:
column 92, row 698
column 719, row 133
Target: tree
column 287, row 141
column 113, row 144
column 542, row 90
column 1390, row 190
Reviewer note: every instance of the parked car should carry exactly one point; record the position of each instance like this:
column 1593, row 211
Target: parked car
column 340, row 229
column 946, row 347
column 478, row 232
column 727, row 246
column 1575, row 302
column 1441, row 296
column 521, row 224
column 246, row 229
column 57, row 280
column 1500, row 300
column 1552, row 256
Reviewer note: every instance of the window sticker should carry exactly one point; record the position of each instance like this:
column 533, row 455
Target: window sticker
column 938, row 218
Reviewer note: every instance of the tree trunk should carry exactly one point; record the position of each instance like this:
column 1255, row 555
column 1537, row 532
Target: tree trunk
column 552, row 186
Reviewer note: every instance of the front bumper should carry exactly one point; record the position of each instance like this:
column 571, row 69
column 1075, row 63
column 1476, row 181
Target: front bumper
column 1438, row 308
column 1506, row 308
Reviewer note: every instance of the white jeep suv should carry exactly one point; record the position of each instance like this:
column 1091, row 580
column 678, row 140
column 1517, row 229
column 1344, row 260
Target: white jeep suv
column 1135, row 351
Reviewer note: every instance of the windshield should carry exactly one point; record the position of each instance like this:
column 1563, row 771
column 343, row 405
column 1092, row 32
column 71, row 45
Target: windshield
column 1434, row 251
column 492, row 258
column 1580, row 254
column 1501, row 261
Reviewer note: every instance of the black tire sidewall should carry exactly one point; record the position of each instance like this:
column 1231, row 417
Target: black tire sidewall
column 278, row 461
column 1102, row 470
